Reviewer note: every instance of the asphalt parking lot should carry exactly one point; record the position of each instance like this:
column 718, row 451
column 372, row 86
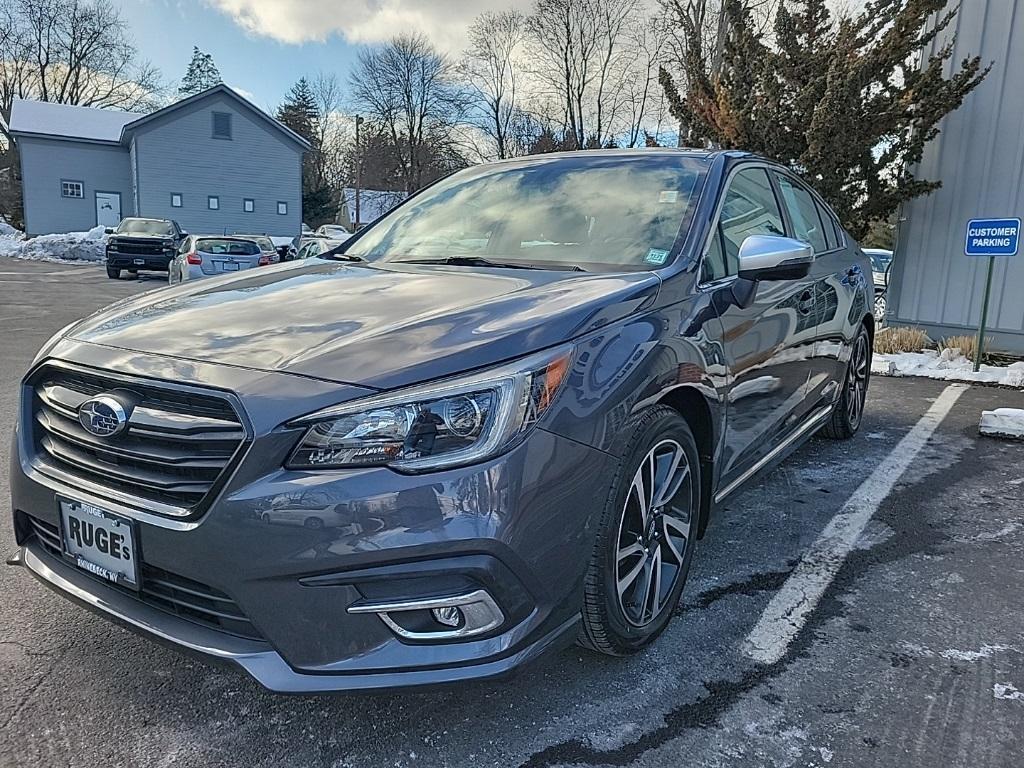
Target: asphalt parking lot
column 913, row 656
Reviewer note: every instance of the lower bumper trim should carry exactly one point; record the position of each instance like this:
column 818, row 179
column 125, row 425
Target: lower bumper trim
column 255, row 657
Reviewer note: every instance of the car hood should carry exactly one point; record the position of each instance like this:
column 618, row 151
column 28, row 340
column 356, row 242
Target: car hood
column 378, row 326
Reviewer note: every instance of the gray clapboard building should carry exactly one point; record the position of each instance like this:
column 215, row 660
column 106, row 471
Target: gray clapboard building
column 214, row 162
column 979, row 157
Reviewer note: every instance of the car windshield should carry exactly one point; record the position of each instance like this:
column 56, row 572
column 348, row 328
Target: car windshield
column 227, row 247
column 144, row 227
column 595, row 211
column 333, row 230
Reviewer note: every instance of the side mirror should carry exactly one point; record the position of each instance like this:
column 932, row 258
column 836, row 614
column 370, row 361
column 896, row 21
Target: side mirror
column 772, row 257
column 108, row 231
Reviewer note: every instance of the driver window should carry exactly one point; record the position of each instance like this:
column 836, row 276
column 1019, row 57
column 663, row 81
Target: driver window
column 749, row 208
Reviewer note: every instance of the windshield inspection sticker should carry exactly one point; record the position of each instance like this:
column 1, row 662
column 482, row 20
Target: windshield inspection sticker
column 656, row 256
column 668, row 196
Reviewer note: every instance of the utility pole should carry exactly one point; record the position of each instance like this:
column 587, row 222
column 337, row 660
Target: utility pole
column 359, row 171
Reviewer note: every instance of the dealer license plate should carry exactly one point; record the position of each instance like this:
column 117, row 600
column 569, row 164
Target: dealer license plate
column 100, row 542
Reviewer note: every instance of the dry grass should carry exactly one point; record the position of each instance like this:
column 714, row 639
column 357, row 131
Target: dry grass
column 892, row 340
column 966, row 344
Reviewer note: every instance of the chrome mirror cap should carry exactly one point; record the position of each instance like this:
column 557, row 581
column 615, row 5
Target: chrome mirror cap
column 773, row 257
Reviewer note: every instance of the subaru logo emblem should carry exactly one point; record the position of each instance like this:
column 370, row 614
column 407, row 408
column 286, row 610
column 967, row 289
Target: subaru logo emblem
column 103, row 416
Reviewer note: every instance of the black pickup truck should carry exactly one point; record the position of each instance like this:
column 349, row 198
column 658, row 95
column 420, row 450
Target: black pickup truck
column 142, row 244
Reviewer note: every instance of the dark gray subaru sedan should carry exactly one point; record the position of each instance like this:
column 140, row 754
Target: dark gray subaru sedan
column 498, row 420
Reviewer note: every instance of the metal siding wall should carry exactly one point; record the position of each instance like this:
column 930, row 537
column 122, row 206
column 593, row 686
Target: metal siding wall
column 44, row 162
column 979, row 157
column 178, row 154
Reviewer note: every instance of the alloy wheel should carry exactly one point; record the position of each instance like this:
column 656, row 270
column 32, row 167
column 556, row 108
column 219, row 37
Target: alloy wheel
column 654, row 533
column 857, row 381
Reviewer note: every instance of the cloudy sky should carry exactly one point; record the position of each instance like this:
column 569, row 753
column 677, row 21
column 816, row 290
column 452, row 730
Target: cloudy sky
column 263, row 46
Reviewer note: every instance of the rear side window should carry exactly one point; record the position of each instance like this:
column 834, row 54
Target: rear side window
column 804, row 213
column 749, row 208
column 829, row 224
column 227, row 247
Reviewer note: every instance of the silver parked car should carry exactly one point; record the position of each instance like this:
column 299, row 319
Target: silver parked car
column 881, row 260
column 207, row 255
column 334, row 232
column 314, row 246
column 266, row 245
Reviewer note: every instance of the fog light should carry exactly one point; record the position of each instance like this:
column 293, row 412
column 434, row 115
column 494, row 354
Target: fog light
column 463, row 615
column 450, row 616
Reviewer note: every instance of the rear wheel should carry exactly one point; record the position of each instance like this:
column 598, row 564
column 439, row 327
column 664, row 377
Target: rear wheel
column 849, row 411
column 645, row 542
column 113, row 273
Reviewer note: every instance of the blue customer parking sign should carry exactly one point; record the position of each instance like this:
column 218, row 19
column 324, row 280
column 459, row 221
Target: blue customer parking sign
column 992, row 237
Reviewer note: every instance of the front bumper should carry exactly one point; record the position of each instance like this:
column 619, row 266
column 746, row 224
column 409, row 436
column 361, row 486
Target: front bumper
column 149, row 261
column 295, row 550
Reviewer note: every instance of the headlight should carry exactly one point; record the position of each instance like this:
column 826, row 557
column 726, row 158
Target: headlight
column 432, row 426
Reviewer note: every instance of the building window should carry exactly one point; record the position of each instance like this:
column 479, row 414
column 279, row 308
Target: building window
column 213, row 203
column 72, row 189
column 282, row 208
column 248, row 205
column 175, row 200
column 222, row 125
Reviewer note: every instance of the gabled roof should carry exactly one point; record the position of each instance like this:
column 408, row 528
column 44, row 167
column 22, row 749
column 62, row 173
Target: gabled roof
column 43, row 118
column 229, row 92
column 111, row 126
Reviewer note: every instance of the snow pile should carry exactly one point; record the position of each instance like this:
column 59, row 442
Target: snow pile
column 1003, row 422
column 71, row 246
column 6, row 230
column 950, row 365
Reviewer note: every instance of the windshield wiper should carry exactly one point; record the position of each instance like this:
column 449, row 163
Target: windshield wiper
column 336, row 253
column 480, row 261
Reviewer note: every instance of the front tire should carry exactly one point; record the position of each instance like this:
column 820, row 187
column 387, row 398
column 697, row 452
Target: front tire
column 849, row 411
column 113, row 273
column 646, row 536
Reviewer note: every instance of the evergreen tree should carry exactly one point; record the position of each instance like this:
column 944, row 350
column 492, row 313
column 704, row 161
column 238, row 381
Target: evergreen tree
column 850, row 104
column 201, row 74
column 300, row 112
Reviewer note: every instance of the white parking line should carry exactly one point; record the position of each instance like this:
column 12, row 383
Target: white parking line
column 785, row 615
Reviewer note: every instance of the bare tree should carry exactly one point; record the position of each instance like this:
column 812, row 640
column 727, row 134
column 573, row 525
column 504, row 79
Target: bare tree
column 72, row 52
column 596, row 59
column 492, row 71
column 333, row 131
column 700, row 31
column 408, row 89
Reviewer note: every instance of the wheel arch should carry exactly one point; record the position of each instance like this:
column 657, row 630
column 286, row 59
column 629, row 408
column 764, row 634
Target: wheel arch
column 694, row 407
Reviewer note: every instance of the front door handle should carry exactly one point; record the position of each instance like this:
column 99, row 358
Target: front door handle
column 805, row 303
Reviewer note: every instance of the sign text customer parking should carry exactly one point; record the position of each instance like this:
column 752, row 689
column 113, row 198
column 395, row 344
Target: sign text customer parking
column 992, row 237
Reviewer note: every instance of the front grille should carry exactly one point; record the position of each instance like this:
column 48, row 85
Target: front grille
column 138, row 248
column 173, row 455
column 181, row 596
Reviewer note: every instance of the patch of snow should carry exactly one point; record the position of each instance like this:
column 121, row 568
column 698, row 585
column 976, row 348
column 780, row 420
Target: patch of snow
column 87, row 246
column 982, row 653
column 826, row 754
column 1007, row 691
column 1003, row 422
column 950, row 365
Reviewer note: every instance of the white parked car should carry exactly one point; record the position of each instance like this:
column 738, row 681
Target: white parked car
column 881, row 259
column 334, row 232
column 207, row 255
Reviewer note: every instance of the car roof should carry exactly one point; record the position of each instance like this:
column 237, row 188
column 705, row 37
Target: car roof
column 242, row 238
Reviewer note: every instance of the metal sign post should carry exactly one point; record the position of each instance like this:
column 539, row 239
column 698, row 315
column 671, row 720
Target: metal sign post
column 991, row 238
